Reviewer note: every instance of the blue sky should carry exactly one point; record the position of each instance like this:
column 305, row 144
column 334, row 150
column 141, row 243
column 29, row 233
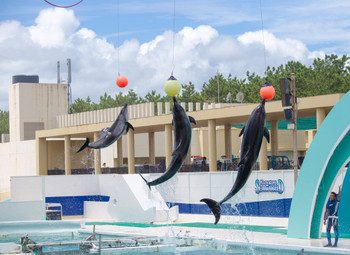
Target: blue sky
column 219, row 35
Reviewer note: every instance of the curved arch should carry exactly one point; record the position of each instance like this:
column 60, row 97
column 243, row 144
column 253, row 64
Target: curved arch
column 63, row 6
column 329, row 151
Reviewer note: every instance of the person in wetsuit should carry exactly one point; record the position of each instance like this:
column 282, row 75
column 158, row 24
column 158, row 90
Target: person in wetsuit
column 331, row 217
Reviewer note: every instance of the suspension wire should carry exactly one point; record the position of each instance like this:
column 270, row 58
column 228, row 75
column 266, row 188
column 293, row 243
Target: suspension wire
column 118, row 42
column 263, row 37
column 173, row 61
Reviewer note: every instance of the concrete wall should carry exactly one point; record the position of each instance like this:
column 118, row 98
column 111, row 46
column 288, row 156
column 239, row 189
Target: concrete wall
column 27, row 201
column 35, row 103
column 17, row 159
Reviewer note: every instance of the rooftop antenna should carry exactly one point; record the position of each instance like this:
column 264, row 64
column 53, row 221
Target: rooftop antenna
column 217, row 77
column 69, row 80
column 58, row 73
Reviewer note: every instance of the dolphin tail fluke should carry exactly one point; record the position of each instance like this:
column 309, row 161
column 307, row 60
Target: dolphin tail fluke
column 214, row 207
column 147, row 182
column 84, row 145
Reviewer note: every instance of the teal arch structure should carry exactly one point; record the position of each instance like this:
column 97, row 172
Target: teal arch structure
column 328, row 153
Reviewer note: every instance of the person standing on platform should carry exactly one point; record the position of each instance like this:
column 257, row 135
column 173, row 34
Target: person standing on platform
column 331, row 217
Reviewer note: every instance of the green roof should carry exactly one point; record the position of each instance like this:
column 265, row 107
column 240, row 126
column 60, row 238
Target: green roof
column 302, row 124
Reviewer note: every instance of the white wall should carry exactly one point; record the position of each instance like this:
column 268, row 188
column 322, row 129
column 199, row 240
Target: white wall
column 192, row 187
column 35, row 102
column 22, row 211
column 17, row 159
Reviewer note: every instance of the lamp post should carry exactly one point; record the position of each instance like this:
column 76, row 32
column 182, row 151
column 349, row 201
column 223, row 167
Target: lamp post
column 295, row 130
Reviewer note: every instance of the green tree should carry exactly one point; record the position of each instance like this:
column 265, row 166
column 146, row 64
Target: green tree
column 189, row 93
column 81, row 105
column 153, row 97
column 4, row 122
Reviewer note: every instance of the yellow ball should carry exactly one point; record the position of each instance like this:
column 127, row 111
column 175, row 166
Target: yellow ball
column 172, row 87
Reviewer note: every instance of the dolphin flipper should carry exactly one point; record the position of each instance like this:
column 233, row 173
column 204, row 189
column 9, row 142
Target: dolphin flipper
column 242, row 131
column 148, row 183
column 84, row 145
column 214, row 207
column 192, row 120
column 103, row 130
column 244, row 158
column 128, row 125
column 266, row 134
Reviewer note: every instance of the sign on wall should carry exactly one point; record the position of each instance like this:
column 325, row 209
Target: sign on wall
column 269, row 186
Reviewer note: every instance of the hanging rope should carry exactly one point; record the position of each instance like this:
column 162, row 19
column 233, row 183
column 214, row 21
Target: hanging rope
column 118, row 32
column 173, row 62
column 263, row 37
column 63, row 6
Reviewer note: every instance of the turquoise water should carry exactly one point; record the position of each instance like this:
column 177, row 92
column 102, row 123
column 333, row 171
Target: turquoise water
column 204, row 247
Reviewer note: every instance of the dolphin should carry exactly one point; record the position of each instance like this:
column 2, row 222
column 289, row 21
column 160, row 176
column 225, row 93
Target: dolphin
column 301, row 252
column 183, row 135
column 111, row 134
column 253, row 133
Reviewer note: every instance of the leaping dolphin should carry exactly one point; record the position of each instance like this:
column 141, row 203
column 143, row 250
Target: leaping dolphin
column 111, row 134
column 183, row 135
column 253, row 133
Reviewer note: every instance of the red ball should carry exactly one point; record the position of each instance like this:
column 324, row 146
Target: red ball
column 122, row 81
column 267, row 91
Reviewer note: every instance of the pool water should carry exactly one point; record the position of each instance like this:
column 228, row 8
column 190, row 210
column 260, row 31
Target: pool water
column 185, row 246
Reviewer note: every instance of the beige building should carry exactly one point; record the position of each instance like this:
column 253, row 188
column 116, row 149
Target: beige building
column 43, row 137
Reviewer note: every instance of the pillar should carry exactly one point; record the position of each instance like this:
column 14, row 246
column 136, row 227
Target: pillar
column 320, row 116
column 67, row 155
column 159, row 108
column 167, row 108
column 227, row 141
column 131, row 152
column 151, row 148
column 41, row 156
column 120, row 152
column 97, row 157
column 190, row 106
column 188, row 158
column 263, row 155
column 274, row 137
column 168, row 144
column 212, row 145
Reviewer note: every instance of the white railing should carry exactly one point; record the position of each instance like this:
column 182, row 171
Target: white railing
column 135, row 111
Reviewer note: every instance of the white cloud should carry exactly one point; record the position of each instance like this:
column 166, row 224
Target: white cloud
column 53, row 27
column 199, row 53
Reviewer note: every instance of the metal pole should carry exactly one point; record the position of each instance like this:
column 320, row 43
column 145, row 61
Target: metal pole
column 58, row 73
column 295, row 130
column 99, row 243
column 69, row 80
column 217, row 76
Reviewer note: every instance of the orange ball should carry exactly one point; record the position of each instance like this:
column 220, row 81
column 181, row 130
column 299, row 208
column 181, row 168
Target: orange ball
column 122, row 81
column 267, row 91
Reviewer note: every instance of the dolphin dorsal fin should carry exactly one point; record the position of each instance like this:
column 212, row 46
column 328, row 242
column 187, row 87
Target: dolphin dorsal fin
column 242, row 131
column 192, row 120
column 267, row 134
